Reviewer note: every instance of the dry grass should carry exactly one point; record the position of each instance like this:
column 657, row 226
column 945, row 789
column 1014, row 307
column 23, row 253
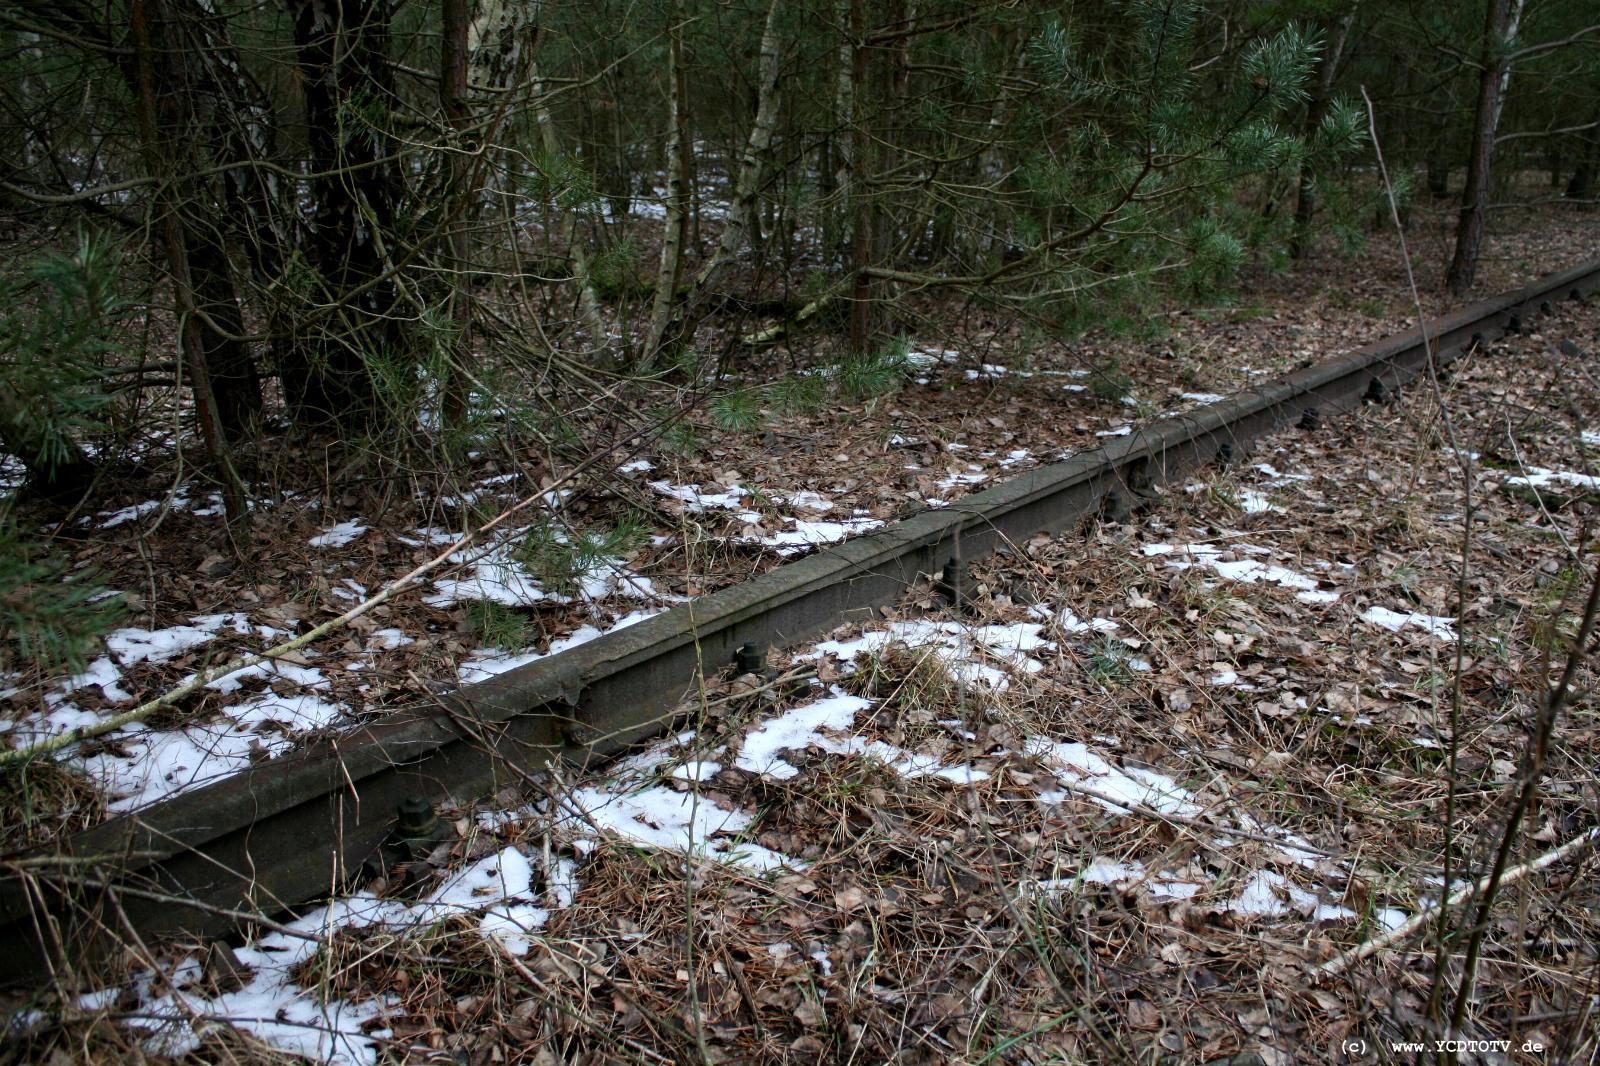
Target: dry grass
column 944, row 923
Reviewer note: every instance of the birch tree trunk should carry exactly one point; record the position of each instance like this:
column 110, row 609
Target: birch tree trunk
column 682, row 323
column 676, row 230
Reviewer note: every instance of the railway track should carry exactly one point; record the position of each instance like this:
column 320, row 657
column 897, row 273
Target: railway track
column 292, row 829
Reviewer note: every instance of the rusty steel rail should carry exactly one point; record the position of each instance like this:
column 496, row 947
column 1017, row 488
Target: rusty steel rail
column 290, row 830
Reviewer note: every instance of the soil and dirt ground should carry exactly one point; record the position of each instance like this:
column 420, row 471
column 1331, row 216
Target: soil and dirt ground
column 1125, row 805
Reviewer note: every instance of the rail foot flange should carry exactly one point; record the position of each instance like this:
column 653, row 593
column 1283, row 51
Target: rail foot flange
column 1114, row 508
column 955, row 583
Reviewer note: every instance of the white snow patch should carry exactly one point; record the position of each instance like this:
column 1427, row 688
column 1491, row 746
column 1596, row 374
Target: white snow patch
column 807, row 534
column 103, row 674
column 165, row 763
column 805, row 499
column 494, row 575
column 429, row 535
column 304, row 676
column 159, row 645
column 658, row 817
column 349, row 589
column 1077, row 765
column 338, row 536
column 697, row 501
column 1247, row 571
column 1252, row 502
column 112, row 519
column 697, row 770
column 306, row 1022
column 1270, row 895
column 388, row 639
column 1069, row 622
column 1394, row 621
column 1538, row 477
column 814, row 725
column 1279, row 479
column 487, row 662
column 962, row 648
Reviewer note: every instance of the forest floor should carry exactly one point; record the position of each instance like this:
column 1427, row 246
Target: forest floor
column 1121, row 809
column 983, row 398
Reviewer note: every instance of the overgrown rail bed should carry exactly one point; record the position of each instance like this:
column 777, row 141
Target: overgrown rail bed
column 273, row 835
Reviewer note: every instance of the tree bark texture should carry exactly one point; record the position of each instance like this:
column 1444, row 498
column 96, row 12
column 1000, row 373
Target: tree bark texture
column 346, row 80
column 163, row 121
column 675, row 230
column 1499, row 23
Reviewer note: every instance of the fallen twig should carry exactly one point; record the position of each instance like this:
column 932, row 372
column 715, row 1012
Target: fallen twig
column 1400, row 932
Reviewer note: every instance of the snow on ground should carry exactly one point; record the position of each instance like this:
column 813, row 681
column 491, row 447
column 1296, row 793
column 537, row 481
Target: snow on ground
column 970, row 653
column 1252, row 502
column 1278, row 479
column 497, row 889
column 1271, row 895
column 826, row 725
column 12, row 472
column 697, row 501
column 1067, row 620
column 1227, row 564
column 804, row 534
column 177, row 499
column 150, row 765
column 494, row 574
column 664, row 819
column 1394, row 621
column 135, row 645
column 485, row 663
column 800, row 533
column 1128, row 876
column 338, row 536
column 1114, row 788
column 1539, row 478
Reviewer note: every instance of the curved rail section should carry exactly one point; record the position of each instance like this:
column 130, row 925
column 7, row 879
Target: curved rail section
column 289, row 830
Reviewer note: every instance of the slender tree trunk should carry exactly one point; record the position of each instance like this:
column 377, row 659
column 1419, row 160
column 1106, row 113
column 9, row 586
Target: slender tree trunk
column 861, row 241
column 836, row 177
column 454, row 22
column 1581, row 186
column 746, row 191
column 1305, row 206
column 589, row 312
column 345, row 76
column 235, row 379
column 1500, row 25
column 675, row 231
column 161, row 122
